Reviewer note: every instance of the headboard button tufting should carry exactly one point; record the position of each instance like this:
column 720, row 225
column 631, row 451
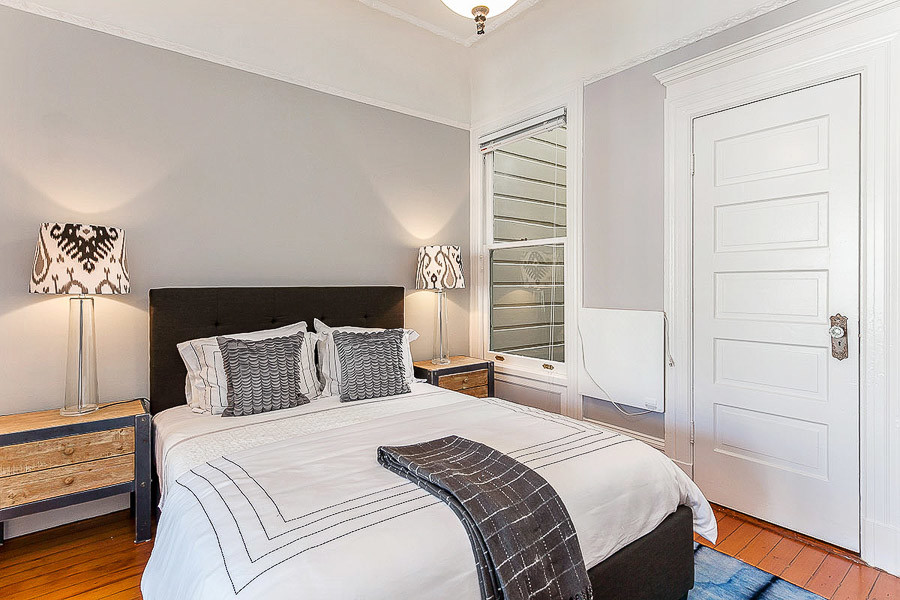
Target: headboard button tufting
column 178, row 314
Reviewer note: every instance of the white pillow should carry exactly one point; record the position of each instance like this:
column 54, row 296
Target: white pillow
column 206, row 370
column 330, row 365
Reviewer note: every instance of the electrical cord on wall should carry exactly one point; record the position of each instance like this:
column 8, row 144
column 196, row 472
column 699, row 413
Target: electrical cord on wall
column 669, row 358
column 609, row 397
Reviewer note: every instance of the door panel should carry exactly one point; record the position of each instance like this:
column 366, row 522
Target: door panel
column 773, row 441
column 779, row 224
column 776, row 253
column 792, row 296
column 774, row 152
column 772, row 368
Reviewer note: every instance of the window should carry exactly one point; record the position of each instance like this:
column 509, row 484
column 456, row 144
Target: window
column 525, row 170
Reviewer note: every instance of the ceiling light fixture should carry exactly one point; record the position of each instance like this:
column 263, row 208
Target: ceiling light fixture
column 479, row 9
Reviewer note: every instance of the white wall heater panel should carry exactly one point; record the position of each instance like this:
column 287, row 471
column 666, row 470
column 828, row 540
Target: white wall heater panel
column 623, row 357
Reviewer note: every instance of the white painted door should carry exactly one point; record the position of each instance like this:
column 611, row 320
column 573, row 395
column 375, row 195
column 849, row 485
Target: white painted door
column 776, row 253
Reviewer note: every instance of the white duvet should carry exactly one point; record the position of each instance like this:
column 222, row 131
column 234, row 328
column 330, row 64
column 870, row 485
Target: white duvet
column 293, row 504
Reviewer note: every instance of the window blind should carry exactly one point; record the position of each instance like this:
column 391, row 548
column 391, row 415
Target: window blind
column 524, row 129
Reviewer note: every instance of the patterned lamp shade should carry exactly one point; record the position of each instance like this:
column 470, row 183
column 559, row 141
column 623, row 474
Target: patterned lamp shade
column 72, row 258
column 440, row 268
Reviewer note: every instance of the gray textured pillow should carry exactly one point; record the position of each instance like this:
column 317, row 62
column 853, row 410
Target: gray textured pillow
column 371, row 364
column 263, row 375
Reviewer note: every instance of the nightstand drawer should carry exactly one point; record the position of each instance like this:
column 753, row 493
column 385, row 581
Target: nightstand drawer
column 61, row 481
column 478, row 392
column 464, row 381
column 69, row 450
column 471, row 376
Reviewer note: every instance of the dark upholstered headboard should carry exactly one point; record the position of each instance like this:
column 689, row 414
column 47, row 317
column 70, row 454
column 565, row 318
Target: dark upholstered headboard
column 181, row 314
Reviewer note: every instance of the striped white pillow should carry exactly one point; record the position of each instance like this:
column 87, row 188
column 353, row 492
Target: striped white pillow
column 206, row 370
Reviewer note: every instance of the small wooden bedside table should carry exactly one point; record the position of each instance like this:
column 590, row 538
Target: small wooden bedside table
column 50, row 461
column 471, row 376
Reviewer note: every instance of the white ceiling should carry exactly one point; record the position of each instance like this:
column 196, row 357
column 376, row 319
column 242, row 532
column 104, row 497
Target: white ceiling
column 434, row 16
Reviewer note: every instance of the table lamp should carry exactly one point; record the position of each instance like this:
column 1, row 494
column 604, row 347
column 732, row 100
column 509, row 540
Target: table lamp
column 80, row 260
column 439, row 269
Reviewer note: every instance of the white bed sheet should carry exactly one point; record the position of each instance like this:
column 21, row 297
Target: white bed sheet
column 185, row 439
column 301, row 508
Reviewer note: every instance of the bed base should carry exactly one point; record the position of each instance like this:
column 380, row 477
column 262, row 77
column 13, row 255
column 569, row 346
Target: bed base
column 658, row 566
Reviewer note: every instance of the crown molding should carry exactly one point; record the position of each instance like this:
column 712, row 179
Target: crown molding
column 413, row 20
column 494, row 23
column 813, row 24
column 696, row 36
column 149, row 40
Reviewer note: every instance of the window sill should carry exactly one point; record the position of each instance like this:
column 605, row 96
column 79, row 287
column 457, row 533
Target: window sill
column 539, row 375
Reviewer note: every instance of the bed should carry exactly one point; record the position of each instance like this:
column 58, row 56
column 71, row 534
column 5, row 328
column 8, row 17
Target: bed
column 293, row 503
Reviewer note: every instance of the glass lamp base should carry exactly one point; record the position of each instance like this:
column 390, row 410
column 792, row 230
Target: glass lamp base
column 78, row 411
column 441, row 352
column 81, row 364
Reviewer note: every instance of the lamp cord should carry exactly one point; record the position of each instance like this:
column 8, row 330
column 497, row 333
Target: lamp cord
column 142, row 400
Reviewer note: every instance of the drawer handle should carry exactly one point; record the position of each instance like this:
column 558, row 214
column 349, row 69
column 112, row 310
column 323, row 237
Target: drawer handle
column 69, row 480
column 69, row 450
column 465, row 380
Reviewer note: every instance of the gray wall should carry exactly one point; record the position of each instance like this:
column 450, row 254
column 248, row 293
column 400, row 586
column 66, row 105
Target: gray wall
column 220, row 177
column 624, row 187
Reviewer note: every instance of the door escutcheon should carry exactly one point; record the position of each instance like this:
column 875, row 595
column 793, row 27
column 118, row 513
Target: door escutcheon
column 838, row 332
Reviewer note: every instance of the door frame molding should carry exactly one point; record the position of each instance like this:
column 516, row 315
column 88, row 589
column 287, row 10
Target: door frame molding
column 857, row 37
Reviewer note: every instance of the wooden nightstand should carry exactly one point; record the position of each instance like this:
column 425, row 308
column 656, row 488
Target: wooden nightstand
column 49, row 461
column 472, row 376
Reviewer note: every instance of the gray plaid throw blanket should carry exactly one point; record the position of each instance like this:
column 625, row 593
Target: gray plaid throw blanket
column 524, row 541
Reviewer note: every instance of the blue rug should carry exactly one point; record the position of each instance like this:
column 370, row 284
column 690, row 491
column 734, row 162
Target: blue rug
column 720, row 577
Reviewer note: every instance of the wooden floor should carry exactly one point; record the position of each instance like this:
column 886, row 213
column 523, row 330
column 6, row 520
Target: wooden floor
column 98, row 559
column 92, row 559
column 831, row 572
